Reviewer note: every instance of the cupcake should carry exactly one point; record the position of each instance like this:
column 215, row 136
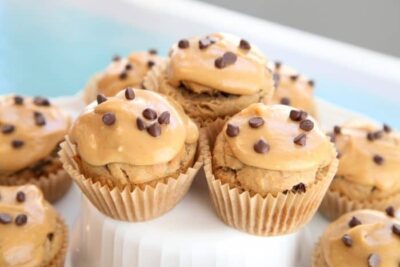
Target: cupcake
column 133, row 154
column 368, row 176
column 292, row 89
column 32, row 233
column 212, row 77
column 30, row 132
column 363, row 238
column 267, row 168
column 121, row 73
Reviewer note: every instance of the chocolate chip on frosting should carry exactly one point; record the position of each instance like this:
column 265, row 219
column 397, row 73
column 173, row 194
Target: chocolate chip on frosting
column 204, row 43
column 153, row 51
column 39, row 119
column 294, row 77
column 41, row 101
column 300, row 139
column 101, row 98
column 232, row 130
column 256, row 122
column 387, row 128
column 149, row 114
column 150, row 64
column 108, row 118
column 299, row 188
column 390, row 211
column 354, row 222
column 337, row 129
column 306, row 125
column 129, row 93
column 297, row 115
column 20, row 197
column 140, row 124
column 396, row 229
column 18, row 100
column 50, row 236
column 261, row 147
column 164, row 118
column 347, row 240
column 370, row 137
column 183, row 44
column 228, row 58
column 128, row 66
column 17, row 143
column 285, row 101
column 7, row 128
column 378, row 134
column 245, row 45
column 21, row 219
column 154, row 129
column 123, row 75
column 374, row 260
column 378, row 159
column 5, row 218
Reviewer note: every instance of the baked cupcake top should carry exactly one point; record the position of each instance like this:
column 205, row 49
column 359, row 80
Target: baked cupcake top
column 369, row 154
column 362, row 238
column 27, row 222
column 30, row 129
column 277, row 137
column 136, row 127
column 218, row 62
column 292, row 89
column 124, row 72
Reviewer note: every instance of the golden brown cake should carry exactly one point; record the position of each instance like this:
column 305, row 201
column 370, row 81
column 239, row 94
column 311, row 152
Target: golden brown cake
column 32, row 233
column 363, row 238
column 31, row 130
column 213, row 76
column 292, row 88
column 369, row 169
column 122, row 73
column 136, row 141
column 272, row 154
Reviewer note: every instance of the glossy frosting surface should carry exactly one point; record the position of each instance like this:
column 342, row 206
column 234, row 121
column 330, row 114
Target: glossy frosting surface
column 123, row 142
column 39, row 140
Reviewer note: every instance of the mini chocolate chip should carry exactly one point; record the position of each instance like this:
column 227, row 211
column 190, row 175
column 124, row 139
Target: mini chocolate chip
column 150, row 63
column 41, row 101
column 204, row 43
column 285, row 101
column 256, row 122
column 347, row 240
column 299, row 188
column 219, row 63
column 294, row 77
column 245, row 45
column 129, row 93
column 261, row 147
column 374, row 260
column 140, row 124
column 278, row 64
column 5, row 218
column 378, row 159
column 17, row 144
column 18, row 100
column 50, row 236
column 396, row 229
column 387, row 128
column 285, row 192
column 108, row 118
column 306, row 125
column 101, row 98
column 20, row 197
column 128, row 66
column 153, row 51
column 21, row 219
column 116, row 58
column 149, row 114
column 229, row 58
column 378, row 134
column 154, row 129
column 39, row 119
column 123, row 75
column 300, row 139
column 390, row 211
column 311, row 83
column 164, row 118
column 232, row 130
column 297, row 115
column 354, row 222
column 370, row 137
column 183, row 44
column 7, row 128
column 337, row 129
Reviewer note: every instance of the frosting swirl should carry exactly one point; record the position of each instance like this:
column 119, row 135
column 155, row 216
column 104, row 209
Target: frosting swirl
column 26, row 219
column 362, row 238
column 136, row 127
column 31, row 128
column 218, row 62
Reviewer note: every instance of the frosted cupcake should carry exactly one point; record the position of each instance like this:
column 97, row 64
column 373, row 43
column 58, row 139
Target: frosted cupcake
column 214, row 76
column 133, row 154
column 361, row 238
column 293, row 89
column 268, row 168
column 368, row 176
column 121, row 73
column 30, row 132
column 32, row 233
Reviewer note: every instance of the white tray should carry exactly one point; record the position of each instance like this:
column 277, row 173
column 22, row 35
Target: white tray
column 189, row 235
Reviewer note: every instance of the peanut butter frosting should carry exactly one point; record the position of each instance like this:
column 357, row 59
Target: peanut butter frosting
column 218, row 62
column 369, row 155
column 292, row 89
column 279, row 138
column 26, row 222
column 124, row 72
column 362, row 238
column 136, row 127
column 31, row 129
